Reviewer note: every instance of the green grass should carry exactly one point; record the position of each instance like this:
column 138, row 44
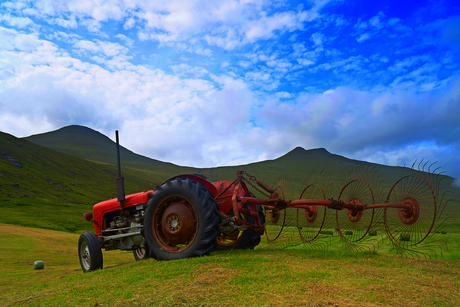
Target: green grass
column 45, row 214
column 263, row 277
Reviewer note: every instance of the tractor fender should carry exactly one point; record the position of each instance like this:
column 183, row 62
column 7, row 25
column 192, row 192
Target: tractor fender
column 198, row 178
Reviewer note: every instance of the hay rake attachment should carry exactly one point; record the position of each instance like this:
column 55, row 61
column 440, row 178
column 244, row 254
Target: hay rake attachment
column 408, row 211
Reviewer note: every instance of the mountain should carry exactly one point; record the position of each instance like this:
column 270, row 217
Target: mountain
column 48, row 180
column 37, row 170
column 89, row 144
column 299, row 163
column 41, row 187
column 92, row 145
column 45, row 188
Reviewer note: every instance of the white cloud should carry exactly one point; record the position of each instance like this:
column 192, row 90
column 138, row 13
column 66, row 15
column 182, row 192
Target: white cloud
column 226, row 24
column 393, row 21
column 108, row 49
column 404, row 64
column 363, row 37
column 377, row 26
column 317, row 39
column 14, row 5
column 283, row 95
column 57, row 90
column 19, row 22
column 22, row 126
column 184, row 69
column 428, row 152
column 12, row 39
column 266, row 26
column 65, row 23
column 375, row 21
column 128, row 41
column 360, row 25
column 354, row 63
column 305, row 62
column 129, row 24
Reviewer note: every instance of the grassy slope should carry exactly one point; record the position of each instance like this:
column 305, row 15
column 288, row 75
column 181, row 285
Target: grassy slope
column 263, row 277
column 53, row 189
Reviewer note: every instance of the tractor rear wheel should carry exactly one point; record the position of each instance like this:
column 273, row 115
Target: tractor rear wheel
column 247, row 239
column 181, row 220
column 89, row 252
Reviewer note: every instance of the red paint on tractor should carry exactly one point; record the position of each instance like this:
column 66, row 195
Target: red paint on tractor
column 225, row 200
column 111, row 205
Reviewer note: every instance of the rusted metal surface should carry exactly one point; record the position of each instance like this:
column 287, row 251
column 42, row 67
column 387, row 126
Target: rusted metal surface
column 410, row 225
column 409, row 216
column 265, row 186
column 175, row 224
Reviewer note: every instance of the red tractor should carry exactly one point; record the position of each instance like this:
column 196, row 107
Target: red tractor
column 188, row 216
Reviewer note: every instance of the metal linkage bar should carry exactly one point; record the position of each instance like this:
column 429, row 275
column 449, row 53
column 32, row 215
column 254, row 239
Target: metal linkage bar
column 279, row 203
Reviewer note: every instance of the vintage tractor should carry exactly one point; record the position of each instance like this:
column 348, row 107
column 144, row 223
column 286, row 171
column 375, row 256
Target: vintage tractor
column 188, row 216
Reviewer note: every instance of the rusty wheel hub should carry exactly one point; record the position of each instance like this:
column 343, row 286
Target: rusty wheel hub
column 175, row 224
column 409, row 216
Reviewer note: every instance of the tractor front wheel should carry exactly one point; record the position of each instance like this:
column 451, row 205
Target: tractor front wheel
column 90, row 253
column 181, row 220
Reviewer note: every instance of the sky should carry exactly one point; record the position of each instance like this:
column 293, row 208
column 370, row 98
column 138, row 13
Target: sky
column 216, row 83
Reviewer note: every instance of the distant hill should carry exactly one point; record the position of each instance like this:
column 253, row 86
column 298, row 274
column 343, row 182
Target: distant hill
column 48, row 180
column 41, row 187
column 28, row 170
column 299, row 163
column 92, row 145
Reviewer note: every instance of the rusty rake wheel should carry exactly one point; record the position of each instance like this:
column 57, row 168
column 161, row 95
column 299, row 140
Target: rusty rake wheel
column 408, row 228
column 275, row 220
column 311, row 222
column 353, row 225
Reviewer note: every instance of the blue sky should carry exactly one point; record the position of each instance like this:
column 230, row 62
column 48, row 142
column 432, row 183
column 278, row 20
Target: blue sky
column 213, row 83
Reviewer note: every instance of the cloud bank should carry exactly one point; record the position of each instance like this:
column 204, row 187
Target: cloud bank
column 234, row 82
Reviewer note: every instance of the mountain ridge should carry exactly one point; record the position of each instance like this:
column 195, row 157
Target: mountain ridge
column 65, row 140
column 92, row 145
column 36, row 180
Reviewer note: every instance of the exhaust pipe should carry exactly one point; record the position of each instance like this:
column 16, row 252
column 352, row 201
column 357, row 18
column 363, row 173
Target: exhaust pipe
column 120, row 180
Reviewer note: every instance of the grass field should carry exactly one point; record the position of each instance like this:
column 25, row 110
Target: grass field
column 267, row 276
column 43, row 200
